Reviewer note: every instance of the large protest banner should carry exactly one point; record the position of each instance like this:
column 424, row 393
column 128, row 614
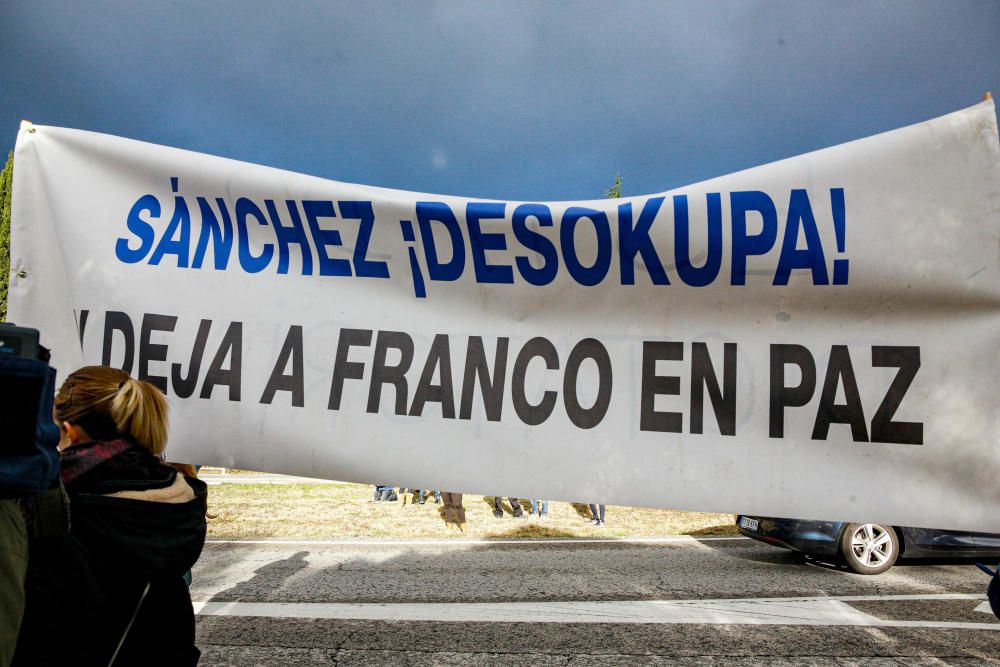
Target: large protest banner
column 815, row 337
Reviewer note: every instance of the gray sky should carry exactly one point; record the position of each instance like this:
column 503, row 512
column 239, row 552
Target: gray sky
column 512, row 100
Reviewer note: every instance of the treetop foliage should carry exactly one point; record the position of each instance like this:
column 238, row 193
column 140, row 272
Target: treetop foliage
column 615, row 191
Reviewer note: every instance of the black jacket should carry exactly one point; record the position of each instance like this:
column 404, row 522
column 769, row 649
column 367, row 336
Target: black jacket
column 134, row 521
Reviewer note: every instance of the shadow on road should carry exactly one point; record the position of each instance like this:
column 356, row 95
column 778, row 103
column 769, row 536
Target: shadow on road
column 270, row 577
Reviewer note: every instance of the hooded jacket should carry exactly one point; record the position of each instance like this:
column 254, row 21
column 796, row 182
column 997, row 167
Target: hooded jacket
column 134, row 521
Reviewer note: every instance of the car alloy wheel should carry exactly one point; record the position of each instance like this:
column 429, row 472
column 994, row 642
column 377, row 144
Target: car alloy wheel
column 869, row 548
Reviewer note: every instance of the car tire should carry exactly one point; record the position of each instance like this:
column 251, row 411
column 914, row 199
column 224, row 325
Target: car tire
column 869, row 548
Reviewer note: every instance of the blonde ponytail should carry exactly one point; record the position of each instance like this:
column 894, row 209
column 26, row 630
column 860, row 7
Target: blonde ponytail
column 107, row 403
column 139, row 411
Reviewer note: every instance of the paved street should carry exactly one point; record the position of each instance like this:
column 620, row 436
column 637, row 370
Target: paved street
column 676, row 601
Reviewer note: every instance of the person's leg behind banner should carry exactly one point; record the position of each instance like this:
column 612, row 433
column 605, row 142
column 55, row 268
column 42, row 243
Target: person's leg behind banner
column 449, row 508
column 515, row 506
column 597, row 511
column 539, row 507
column 460, row 512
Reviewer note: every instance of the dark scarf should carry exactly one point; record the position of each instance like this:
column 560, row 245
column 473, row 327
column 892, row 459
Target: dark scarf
column 107, row 466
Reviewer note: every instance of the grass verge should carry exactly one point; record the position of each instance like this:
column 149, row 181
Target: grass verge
column 342, row 511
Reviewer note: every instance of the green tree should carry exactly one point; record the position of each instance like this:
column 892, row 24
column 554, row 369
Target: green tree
column 6, row 179
column 615, row 191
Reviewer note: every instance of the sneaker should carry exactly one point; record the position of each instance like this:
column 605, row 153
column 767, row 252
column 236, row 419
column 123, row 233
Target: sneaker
column 518, row 514
column 600, row 524
column 595, row 522
column 543, row 515
column 498, row 514
column 421, row 501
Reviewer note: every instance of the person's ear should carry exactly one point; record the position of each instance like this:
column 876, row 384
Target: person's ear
column 71, row 433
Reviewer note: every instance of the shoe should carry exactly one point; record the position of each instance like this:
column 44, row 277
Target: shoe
column 543, row 515
column 421, row 501
column 600, row 524
column 498, row 514
column 518, row 514
column 595, row 522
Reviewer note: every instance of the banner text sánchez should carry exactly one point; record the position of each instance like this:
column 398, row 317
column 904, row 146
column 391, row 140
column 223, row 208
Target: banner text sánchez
column 501, row 242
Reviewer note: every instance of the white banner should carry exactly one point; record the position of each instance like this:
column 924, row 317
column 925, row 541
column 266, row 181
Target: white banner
column 813, row 338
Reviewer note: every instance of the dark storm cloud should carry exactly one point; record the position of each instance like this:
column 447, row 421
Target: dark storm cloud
column 519, row 100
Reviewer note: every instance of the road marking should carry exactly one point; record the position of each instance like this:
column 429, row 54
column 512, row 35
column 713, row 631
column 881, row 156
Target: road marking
column 985, row 607
column 677, row 539
column 747, row 611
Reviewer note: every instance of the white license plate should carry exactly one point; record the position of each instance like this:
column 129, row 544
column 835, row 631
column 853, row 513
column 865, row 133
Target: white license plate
column 748, row 523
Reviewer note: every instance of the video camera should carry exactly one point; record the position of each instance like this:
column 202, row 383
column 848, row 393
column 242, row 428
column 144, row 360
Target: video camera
column 29, row 460
column 20, row 389
column 19, row 341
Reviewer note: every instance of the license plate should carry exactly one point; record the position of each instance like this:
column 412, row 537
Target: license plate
column 748, row 523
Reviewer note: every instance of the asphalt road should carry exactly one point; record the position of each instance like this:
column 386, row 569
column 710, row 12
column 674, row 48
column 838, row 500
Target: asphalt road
column 682, row 602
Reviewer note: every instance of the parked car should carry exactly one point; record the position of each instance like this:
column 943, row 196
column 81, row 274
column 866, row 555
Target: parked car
column 867, row 548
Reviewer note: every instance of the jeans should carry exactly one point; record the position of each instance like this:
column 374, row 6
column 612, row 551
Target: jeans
column 594, row 511
column 423, row 495
column 540, row 507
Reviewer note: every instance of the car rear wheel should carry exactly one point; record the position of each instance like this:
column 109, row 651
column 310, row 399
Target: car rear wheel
column 869, row 548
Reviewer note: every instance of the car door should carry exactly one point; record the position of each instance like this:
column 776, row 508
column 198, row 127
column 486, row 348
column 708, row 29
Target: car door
column 987, row 540
column 936, row 539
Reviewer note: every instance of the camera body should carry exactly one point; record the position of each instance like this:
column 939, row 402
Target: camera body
column 29, row 459
column 19, row 341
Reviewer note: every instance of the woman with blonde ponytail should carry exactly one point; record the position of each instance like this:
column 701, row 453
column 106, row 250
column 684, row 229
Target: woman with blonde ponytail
column 141, row 522
column 111, row 403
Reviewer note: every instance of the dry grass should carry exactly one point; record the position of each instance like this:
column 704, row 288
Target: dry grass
column 339, row 511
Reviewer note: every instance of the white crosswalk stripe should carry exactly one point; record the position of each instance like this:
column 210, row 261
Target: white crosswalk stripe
column 754, row 611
